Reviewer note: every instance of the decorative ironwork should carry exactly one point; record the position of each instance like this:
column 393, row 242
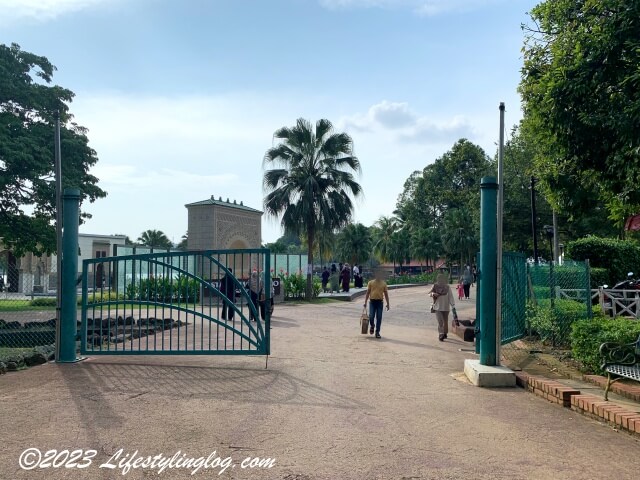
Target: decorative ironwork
column 620, row 360
column 173, row 303
column 620, row 354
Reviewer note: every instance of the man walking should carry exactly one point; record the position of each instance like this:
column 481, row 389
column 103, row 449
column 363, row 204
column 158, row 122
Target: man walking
column 376, row 291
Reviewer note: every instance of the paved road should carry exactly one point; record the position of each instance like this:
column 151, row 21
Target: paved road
column 333, row 404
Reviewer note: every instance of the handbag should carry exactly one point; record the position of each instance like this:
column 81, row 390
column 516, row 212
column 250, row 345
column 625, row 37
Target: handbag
column 454, row 321
column 433, row 308
column 364, row 321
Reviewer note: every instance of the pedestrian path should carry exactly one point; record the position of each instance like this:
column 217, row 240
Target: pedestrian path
column 354, row 293
column 333, row 403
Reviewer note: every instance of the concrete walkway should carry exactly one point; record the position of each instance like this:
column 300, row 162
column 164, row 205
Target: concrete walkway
column 354, row 293
column 333, row 404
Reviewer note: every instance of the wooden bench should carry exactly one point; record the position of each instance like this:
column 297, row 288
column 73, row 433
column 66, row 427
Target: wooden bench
column 620, row 361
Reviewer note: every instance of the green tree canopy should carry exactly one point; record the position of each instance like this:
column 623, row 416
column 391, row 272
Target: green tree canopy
column 459, row 239
column 312, row 185
column 581, row 96
column 355, row 244
column 451, row 182
column 155, row 239
column 383, row 231
column 27, row 107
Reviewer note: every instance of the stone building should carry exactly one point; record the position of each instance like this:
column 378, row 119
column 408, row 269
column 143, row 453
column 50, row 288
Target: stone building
column 221, row 225
column 226, row 225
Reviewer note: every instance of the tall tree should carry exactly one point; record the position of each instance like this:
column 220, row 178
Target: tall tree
column 27, row 106
column 425, row 244
column 312, row 185
column 459, row 240
column 581, row 99
column 401, row 247
column 451, row 182
column 355, row 243
column 383, row 246
column 155, row 239
column 184, row 240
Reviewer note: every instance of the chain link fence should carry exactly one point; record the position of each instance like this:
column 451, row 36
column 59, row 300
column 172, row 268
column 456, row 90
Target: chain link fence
column 557, row 297
column 27, row 310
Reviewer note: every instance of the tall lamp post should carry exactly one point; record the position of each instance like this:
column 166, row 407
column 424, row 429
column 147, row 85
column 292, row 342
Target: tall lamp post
column 534, row 220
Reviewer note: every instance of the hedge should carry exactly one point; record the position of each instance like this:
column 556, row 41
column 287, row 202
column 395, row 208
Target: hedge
column 618, row 256
column 553, row 324
column 599, row 277
column 588, row 335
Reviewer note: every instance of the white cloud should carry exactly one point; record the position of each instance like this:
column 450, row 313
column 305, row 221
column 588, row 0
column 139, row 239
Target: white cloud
column 397, row 121
column 420, row 7
column 42, row 10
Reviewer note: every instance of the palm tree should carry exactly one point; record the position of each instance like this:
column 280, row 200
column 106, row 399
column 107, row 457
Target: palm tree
column 312, row 185
column 325, row 245
column 401, row 247
column 355, row 244
column 154, row 239
column 425, row 244
column 458, row 236
column 383, row 239
column 183, row 241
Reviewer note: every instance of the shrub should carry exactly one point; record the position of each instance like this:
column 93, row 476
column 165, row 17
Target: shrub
column 98, row 297
column 599, row 277
column 410, row 279
column 552, row 324
column 588, row 335
column 43, row 302
column 618, row 256
column 164, row 290
column 541, row 292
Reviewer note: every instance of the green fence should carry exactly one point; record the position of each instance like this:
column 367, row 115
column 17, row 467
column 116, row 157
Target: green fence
column 558, row 296
column 514, row 296
column 27, row 328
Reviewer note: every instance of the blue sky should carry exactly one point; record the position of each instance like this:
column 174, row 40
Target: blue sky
column 181, row 98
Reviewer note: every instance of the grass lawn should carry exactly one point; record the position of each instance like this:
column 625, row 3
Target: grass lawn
column 8, row 352
column 11, row 305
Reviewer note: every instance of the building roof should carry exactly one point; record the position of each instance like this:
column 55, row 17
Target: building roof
column 222, row 203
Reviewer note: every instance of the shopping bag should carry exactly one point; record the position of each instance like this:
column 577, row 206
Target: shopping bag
column 364, row 321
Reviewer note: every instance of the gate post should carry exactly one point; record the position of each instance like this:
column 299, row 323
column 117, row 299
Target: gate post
column 488, row 270
column 71, row 212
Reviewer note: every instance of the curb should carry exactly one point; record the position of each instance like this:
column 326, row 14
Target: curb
column 591, row 406
column 624, row 390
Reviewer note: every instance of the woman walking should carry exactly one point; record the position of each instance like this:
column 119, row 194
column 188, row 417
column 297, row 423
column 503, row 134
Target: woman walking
column 443, row 301
column 334, row 279
column 345, row 276
column 467, row 280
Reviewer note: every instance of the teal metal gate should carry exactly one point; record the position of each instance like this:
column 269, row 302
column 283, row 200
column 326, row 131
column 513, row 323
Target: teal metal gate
column 514, row 297
column 177, row 303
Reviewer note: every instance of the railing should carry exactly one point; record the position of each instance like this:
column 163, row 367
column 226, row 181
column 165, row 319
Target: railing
column 620, row 302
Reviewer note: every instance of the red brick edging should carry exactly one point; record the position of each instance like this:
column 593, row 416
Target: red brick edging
column 624, row 390
column 589, row 405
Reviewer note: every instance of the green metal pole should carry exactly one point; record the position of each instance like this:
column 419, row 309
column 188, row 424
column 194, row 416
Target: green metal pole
column 68, row 330
column 488, row 270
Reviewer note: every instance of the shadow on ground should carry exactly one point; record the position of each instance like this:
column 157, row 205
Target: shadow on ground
column 233, row 384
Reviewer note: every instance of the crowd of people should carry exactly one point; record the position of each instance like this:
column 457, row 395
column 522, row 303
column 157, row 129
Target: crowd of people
column 338, row 278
